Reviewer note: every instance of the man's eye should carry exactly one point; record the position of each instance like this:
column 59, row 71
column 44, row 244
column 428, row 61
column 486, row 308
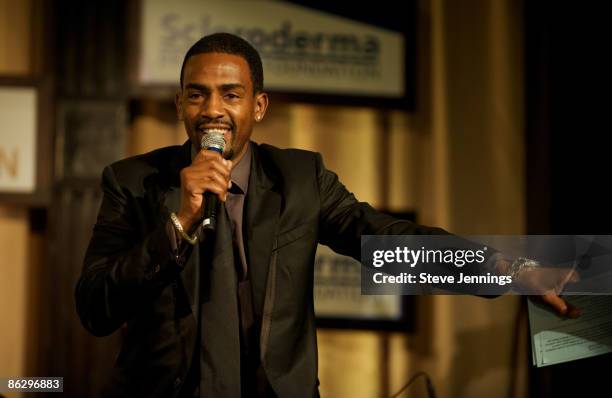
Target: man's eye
column 195, row 96
column 232, row 96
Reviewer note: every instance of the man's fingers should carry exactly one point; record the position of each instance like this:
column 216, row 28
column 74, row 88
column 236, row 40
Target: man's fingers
column 561, row 306
column 556, row 302
column 216, row 163
column 219, row 189
column 206, row 155
column 208, row 172
column 216, row 178
column 202, row 183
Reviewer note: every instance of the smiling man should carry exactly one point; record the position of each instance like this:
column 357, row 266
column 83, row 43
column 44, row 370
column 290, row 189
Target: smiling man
column 220, row 93
column 228, row 314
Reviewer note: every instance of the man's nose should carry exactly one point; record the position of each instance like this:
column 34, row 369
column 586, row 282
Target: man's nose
column 212, row 108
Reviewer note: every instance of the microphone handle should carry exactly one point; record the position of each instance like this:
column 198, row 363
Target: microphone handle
column 211, row 201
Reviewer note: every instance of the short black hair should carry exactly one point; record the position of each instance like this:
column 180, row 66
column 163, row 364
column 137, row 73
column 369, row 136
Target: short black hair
column 227, row 43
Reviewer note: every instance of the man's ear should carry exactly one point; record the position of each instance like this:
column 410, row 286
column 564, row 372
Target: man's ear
column 261, row 104
column 178, row 103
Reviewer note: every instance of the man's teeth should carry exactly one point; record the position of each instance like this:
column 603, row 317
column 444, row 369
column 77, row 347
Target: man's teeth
column 214, row 131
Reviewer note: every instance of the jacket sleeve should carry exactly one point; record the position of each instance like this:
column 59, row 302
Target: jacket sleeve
column 343, row 219
column 124, row 267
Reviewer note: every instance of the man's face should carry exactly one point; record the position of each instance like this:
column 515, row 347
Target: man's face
column 217, row 94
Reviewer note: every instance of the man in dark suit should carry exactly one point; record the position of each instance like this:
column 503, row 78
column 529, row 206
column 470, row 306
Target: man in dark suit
column 227, row 314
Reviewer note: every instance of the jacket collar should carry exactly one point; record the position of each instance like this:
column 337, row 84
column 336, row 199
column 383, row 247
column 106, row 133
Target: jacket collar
column 263, row 210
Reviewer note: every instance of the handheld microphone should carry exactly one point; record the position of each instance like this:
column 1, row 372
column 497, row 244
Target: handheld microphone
column 213, row 141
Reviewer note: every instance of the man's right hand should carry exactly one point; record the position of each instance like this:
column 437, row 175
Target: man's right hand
column 208, row 172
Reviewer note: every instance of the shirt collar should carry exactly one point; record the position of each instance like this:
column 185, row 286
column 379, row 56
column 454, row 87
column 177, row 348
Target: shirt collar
column 242, row 170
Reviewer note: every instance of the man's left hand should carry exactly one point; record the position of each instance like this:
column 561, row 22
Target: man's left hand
column 547, row 283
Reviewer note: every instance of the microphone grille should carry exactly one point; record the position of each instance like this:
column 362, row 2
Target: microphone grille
column 213, row 140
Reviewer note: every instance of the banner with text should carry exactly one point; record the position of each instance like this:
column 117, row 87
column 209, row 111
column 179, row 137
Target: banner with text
column 302, row 50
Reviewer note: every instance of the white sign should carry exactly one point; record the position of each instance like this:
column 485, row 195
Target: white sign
column 337, row 291
column 303, row 50
column 17, row 139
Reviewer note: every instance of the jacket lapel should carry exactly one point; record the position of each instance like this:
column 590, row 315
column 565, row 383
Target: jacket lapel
column 262, row 217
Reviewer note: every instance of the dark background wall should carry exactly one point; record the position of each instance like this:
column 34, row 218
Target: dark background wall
column 568, row 150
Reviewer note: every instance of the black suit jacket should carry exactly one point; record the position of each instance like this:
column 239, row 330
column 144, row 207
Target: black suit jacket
column 131, row 276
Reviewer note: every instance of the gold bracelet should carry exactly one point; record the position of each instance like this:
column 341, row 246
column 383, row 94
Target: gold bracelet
column 179, row 228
